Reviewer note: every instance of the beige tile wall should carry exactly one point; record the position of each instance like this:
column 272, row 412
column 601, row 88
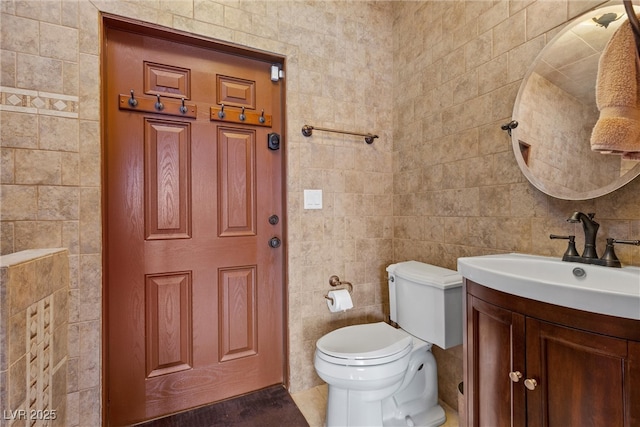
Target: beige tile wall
column 457, row 187
column 34, row 312
column 433, row 79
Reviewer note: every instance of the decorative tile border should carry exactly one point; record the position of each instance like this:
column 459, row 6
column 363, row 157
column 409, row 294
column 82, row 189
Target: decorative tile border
column 36, row 102
column 39, row 361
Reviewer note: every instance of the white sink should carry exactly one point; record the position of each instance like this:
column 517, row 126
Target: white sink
column 605, row 290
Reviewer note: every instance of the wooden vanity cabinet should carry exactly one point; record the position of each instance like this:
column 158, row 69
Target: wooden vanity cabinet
column 529, row 363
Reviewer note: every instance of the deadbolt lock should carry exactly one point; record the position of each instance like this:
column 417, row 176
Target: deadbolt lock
column 274, row 242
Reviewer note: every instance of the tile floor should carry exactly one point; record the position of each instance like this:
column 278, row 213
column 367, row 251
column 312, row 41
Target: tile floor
column 313, row 403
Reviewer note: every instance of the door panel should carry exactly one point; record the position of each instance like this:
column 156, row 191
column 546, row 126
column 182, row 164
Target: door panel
column 194, row 292
column 236, row 182
column 166, row 80
column 498, row 348
column 167, row 179
column 581, row 376
column 168, row 319
column 236, row 92
column 238, row 327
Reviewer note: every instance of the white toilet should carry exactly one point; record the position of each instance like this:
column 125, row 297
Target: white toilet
column 382, row 376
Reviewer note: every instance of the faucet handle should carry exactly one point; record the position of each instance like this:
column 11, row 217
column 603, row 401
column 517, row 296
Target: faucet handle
column 571, row 249
column 626, row 242
column 609, row 257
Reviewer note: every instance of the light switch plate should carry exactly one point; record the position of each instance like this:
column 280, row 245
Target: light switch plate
column 313, row 199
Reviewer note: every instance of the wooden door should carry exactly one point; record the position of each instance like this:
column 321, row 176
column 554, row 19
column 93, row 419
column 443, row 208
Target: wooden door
column 495, row 348
column 194, row 291
column 582, row 378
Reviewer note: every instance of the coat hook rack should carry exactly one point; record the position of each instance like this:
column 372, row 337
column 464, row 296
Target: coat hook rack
column 307, row 130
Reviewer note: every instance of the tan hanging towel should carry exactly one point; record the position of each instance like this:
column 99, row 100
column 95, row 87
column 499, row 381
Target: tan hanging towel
column 617, row 130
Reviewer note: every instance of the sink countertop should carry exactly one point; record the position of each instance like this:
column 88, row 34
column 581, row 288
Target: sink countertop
column 604, row 290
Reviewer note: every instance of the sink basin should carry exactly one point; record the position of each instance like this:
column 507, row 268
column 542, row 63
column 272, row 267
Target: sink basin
column 604, row 290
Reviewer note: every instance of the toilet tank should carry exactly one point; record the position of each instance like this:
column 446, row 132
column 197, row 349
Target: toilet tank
column 426, row 301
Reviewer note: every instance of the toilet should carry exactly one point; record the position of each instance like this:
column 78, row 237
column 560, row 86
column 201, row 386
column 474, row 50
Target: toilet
column 379, row 375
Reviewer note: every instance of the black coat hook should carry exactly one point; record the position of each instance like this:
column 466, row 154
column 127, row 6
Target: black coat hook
column 133, row 102
column 159, row 106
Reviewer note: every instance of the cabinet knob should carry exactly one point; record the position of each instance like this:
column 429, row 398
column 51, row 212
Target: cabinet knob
column 515, row 376
column 530, row 383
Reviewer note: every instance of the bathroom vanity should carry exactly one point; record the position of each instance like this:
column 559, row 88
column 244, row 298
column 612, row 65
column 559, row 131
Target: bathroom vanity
column 529, row 362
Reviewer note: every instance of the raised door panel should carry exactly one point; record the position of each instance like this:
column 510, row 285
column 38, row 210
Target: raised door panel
column 581, row 377
column 169, row 323
column 495, row 347
column 237, row 92
column 167, row 80
column 238, row 317
column 167, row 179
column 236, row 182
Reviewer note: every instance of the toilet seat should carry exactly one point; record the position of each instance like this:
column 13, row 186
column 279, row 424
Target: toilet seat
column 366, row 344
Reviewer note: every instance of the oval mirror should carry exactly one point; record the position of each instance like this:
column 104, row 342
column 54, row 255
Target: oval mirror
column 556, row 110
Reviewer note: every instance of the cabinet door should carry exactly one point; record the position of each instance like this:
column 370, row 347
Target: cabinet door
column 582, row 378
column 495, row 348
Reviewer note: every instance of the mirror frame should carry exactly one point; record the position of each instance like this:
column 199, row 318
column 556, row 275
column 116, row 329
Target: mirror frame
column 562, row 193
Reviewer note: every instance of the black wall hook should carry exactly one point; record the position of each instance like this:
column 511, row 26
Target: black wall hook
column 511, row 125
column 159, row 106
column 133, row 102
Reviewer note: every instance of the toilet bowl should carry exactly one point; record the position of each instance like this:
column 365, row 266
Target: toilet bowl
column 368, row 368
column 379, row 375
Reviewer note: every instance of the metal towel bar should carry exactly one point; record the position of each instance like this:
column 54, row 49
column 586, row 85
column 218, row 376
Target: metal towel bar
column 307, row 130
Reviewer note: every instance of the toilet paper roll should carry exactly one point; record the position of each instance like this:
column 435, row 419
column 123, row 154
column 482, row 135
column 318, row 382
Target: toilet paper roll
column 340, row 300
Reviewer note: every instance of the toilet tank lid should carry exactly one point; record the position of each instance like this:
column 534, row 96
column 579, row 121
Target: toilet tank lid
column 426, row 274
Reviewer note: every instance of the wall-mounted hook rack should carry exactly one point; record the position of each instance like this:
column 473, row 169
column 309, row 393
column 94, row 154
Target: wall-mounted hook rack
column 167, row 106
column 231, row 115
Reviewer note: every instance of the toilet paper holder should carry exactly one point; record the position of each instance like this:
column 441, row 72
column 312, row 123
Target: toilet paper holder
column 335, row 282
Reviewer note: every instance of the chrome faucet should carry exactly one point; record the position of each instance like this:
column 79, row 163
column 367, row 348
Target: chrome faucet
column 590, row 228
